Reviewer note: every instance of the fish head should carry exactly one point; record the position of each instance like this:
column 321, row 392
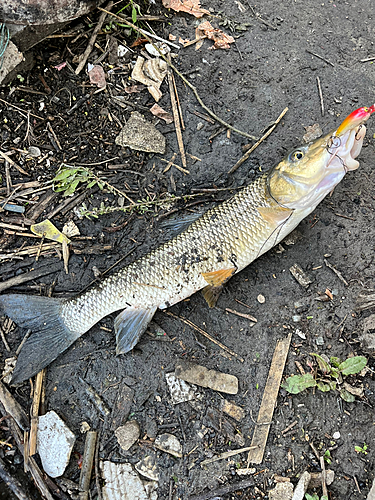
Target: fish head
column 306, row 175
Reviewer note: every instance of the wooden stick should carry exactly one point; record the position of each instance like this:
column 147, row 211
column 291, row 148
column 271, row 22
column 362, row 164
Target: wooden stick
column 14, row 164
column 91, row 43
column 178, row 102
column 242, row 315
column 31, row 275
column 35, row 412
column 324, row 485
column 248, row 153
column 13, row 408
column 320, row 95
column 87, row 462
column 320, row 57
column 268, row 401
column 205, row 334
column 176, row 119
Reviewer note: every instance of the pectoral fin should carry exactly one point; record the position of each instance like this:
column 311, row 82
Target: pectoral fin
column 129, row 326
column 275, row 215
column 218, row 278
column 211, row 294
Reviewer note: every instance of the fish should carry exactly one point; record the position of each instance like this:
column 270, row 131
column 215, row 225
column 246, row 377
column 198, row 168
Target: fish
column 202, row 256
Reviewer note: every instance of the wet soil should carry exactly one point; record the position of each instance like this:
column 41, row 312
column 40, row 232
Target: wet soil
column 267, row 69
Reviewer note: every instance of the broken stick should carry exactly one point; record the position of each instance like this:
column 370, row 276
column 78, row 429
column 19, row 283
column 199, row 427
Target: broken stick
column 268, row 401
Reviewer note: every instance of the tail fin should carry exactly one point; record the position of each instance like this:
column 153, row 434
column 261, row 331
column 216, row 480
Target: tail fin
column 50, row 336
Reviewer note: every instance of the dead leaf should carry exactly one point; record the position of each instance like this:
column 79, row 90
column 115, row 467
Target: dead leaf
column 218, row 36
column 312, row 132
column 47, row 230
column 97, row 76
column 171, row 37
column 133, row 89
column 190, row 6
column 161, row 113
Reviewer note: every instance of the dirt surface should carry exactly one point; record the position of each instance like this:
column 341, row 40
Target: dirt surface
column 248, row 85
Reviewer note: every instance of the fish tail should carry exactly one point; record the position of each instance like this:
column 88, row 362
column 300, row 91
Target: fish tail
column 50, row 335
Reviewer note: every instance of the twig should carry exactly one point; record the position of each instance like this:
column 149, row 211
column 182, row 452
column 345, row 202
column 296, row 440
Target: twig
column 372, row 58
column 178, row 101
column 338, row 274
column 176, row 118
column 35, row 412
column 169, row 162
column 242, row 315
column 227, row 454
column 324, row 485
column 91, row 43
column 87, row 462
column 4, row 340
column 14, row 164
column 21, row 110
column 13, row 408
column 224, row 490
column 205, row 334
column 190, row 85
column 320, row 95
column 97, row 473
column 248, row 153
column 12, row 482
column 49, row 126
column 356, row 483
column 289, row 427
column 314, row 450
column 320, row 57
column 31, row 275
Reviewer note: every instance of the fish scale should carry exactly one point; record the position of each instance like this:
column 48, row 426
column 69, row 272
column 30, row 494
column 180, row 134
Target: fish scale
column 229, row 235
column 217, row 245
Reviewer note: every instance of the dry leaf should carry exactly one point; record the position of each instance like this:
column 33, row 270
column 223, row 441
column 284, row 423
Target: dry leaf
column 190, row 6
column 171, row 37
column 97, row 76
column 218, row 36
column 49, row 231
column 161, row 113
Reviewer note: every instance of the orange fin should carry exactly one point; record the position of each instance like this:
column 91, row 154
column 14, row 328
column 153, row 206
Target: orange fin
column 211, row 294
column 218, row 278
column 275, row 215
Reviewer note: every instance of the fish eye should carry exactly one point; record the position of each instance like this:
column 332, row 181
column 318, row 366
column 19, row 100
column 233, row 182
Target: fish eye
column 296, row 155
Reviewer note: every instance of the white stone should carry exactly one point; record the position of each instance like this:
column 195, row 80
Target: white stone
column 127, row 434
column 123, row 483
column 55, row 443
column 336, row 435
column 170, row 444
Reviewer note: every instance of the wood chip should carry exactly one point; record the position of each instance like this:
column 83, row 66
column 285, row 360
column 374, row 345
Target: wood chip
column 299, row 274
column 199, row 375
column 269, row 400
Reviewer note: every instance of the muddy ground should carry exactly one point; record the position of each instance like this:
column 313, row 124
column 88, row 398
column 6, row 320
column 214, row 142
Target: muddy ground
column 267, row 69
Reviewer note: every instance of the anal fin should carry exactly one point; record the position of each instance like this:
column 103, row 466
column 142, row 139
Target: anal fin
column 129, row 326
column 218, row 278
column 212, row 294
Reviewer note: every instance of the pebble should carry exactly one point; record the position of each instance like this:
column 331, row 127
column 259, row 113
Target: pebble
column 147, row 467
column 55, row 443
column 261, row 299
column 34, row 152
column 336, row 435
column 319, row 341
column 180, row 390
column 169, row 443
column 283, row 491
column 127, row 434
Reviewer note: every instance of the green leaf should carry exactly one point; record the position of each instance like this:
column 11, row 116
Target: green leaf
column 64, row 174
column 311, row 497
column 298, row 383
column 72, row 187
column 323, row 365
column 134, row 14
column 332, row 385
column 335, row 361
column 323, row 387
column 346, row 396
column 91, row 184
column 335, row 373
column 352, row 365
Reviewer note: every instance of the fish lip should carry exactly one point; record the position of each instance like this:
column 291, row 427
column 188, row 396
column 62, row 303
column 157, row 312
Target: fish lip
column 346, row 148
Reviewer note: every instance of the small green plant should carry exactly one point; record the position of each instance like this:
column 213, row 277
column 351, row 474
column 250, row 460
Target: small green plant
column 361, row 449
column 135, row 9
column 314, row 496
column 327, row 457
column 68, row 179
column 329, row 376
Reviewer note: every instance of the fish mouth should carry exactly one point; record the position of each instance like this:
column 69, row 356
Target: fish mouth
column 346, row 148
